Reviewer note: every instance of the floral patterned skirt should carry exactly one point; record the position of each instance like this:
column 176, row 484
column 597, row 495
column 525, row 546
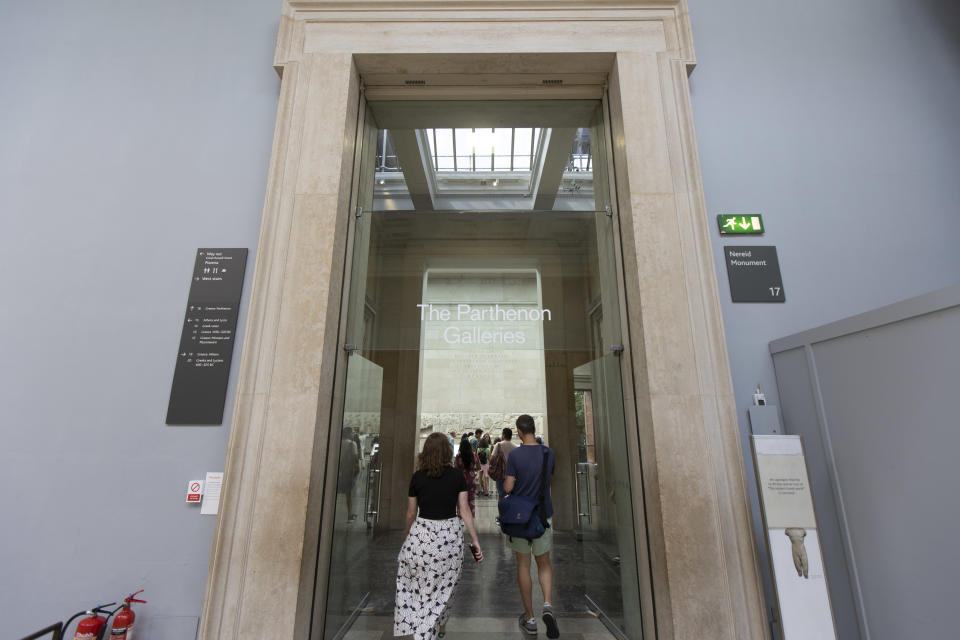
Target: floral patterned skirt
column 428, row 570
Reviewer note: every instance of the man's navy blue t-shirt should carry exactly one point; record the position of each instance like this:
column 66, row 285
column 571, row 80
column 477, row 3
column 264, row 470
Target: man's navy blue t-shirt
column 525, row 464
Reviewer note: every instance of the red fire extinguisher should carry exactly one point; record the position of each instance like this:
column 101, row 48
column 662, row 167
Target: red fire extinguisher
column 89, row 628
column 122, row 628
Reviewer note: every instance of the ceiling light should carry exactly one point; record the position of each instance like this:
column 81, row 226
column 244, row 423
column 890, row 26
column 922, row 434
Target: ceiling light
column 496, row 182
column 382, row 181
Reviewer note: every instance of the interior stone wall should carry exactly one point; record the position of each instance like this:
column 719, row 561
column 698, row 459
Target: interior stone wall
column 700, row 551
column 464, row 387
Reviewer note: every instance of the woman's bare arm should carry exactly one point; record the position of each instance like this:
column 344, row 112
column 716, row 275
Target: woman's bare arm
column 411, row 515
column 464, row 504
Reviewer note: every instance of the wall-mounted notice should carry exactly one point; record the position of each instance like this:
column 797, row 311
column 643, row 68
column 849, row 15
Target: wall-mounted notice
column 194, row 491
column 206, row 343
column 754, row 274
column 213, row 482
column 792, row 541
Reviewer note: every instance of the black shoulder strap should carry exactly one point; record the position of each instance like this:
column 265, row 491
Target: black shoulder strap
column 543, row 485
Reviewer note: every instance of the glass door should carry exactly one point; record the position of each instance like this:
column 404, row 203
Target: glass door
column 484, row 286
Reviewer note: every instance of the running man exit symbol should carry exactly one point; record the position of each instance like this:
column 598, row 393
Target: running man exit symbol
column 740, row 224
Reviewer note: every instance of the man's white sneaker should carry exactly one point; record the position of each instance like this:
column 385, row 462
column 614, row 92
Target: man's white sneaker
column 528, row 626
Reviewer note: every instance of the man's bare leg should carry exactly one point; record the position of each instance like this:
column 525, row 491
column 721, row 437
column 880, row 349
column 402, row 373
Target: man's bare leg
column 525, row 582
column 545, row 573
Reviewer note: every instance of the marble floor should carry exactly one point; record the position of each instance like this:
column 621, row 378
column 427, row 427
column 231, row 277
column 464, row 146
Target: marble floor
column 487, row 603
column 482, row 628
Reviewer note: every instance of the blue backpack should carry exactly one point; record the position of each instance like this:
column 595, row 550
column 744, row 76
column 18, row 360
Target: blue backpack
column 523, row 516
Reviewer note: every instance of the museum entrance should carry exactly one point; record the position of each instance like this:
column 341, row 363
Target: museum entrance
column 483, row 285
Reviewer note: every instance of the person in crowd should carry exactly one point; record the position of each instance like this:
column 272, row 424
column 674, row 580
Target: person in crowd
column 468, row 463
column 452, row 437
column 483, row 455
column 349, row 468
column 526, row 469
column 431, row 558
column 475, row 439
column 498, row 459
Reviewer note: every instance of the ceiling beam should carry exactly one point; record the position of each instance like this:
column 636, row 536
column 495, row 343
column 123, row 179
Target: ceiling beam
column 411, row 157
column 538, row 65
column 495, row 114
column 558, row 144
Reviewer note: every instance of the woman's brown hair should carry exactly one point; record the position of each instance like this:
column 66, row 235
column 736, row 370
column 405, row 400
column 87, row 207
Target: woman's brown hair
column 436, row 455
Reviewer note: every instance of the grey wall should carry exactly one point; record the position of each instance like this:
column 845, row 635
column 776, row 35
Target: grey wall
column 131, row 134
column 837, row 122
column 875, row 398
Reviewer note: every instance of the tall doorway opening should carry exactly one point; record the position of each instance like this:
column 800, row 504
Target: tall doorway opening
column 484, row 285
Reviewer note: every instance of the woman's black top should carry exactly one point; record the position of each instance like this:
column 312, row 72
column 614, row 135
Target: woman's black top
column 437, row 497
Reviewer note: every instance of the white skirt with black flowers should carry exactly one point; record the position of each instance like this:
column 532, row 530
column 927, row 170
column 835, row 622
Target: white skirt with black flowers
column 428, row 570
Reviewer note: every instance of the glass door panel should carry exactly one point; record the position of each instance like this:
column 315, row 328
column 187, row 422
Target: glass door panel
column 464, row 318
column 358, row 495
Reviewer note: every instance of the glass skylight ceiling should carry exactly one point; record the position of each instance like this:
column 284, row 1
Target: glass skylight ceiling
column 484, row 167
column 484, row 149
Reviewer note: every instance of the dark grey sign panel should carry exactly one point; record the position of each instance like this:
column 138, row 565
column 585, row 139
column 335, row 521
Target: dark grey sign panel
column 200, row 378
column 754, row 274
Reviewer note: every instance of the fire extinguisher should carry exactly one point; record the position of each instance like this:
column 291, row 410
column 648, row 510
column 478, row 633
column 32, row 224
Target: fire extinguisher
column 122, row 627
column 91, row 627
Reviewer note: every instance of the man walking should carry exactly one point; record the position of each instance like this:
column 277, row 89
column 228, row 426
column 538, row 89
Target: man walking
column 525, row 471
column 501, row 451
column 475, row 439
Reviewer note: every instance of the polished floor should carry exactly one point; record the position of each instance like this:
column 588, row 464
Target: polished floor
column 487, row 603
column 482, row 628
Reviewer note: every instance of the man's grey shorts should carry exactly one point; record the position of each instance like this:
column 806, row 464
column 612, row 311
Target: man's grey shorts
column 538, row 547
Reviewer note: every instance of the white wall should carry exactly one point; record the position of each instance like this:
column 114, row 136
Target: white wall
column 875, row 398
column 132, row 133
column 837, row 122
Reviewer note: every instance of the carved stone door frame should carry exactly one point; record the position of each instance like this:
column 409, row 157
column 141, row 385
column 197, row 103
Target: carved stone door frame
column 704, row 578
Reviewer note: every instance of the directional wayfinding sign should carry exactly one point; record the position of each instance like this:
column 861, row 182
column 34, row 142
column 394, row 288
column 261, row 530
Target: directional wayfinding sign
column 740, row 225
column 200, row 376
column 754, row 274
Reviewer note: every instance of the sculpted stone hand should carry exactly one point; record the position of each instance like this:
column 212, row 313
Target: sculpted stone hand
column 800, row 561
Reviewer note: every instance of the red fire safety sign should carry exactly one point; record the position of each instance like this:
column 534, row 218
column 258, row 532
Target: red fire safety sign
column 195, row 491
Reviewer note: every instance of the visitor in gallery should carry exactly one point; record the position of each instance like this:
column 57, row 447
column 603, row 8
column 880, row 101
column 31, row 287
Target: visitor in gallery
column 349, row 467
column 529, row 468
column 451, row 436
column 431, row 559
column 497, row 469
column 475, row 440
column 483, row 455
column 468, row 463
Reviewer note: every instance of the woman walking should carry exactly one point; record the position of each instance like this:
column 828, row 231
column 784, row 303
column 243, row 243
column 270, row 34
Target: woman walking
column 468, row 462
column 431, row 558
column 483, row 455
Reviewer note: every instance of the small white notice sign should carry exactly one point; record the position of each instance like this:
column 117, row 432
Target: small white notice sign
column 194, row 491
column 211, row 497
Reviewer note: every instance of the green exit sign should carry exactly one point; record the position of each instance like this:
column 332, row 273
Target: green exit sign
column 740, row 225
